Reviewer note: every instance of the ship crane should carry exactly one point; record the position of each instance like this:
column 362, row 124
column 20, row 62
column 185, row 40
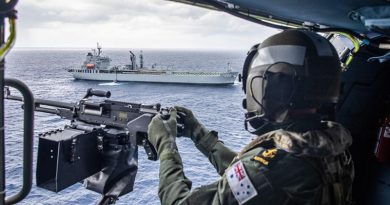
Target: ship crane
column 133, row 61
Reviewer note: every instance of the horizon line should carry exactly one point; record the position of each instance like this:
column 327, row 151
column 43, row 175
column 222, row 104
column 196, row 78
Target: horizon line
column 121, row 48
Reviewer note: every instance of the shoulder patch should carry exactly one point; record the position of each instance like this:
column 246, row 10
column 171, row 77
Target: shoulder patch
column 239, row 183
column 270, row 153
column 265, row 156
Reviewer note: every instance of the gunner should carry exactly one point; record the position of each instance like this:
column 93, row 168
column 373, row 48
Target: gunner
column 297, row 158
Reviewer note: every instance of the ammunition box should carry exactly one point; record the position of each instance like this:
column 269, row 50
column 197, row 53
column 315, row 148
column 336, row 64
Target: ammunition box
column 67, row 156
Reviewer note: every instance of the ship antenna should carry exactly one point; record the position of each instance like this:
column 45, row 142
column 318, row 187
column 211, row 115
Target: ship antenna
column 141, row 59
column 99, row 48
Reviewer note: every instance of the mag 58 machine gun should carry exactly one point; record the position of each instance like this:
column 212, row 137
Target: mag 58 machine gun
column 99, row 146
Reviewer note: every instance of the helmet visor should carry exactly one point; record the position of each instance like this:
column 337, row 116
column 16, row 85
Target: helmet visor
column 271, row 88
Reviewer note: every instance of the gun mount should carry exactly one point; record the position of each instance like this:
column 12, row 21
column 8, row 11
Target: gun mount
column 99, row 145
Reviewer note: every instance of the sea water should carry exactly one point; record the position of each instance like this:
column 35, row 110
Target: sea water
column 217, row 107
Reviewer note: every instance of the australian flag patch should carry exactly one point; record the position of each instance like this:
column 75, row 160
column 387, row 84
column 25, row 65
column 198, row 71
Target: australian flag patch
column 239, row 183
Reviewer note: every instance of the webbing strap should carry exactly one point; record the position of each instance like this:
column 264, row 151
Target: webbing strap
column 331, row 171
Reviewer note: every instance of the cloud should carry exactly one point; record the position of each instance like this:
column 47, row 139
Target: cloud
column 88, row 11
column 131, row 23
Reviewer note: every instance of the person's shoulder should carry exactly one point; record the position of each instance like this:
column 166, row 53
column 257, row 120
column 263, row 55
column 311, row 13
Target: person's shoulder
column 279, row 167
column 274, row 158
column 274, row 174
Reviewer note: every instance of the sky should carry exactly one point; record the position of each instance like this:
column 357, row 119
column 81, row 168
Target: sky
column 132, row 24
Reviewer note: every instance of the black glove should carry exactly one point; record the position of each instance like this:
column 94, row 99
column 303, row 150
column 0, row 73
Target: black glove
column 162, row 132
column 192, row 127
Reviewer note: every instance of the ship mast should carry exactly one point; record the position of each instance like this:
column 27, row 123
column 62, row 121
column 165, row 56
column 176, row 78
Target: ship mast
column 141, row 60
column 99, row 48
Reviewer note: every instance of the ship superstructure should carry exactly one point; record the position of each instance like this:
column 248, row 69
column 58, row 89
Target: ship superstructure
column 98, row 67
column 94, row 60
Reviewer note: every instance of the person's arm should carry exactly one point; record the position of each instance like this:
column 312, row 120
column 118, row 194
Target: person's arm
column 162, row 135
column 218, row 154
column 175, row 188
column 206, row 141
column 174, row 185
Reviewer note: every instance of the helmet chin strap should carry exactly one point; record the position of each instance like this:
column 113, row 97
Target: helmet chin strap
column 265, row 124
column 307, row 122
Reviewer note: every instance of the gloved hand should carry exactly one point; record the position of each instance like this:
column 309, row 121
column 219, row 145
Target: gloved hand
column 162, row 133
column 192, row 127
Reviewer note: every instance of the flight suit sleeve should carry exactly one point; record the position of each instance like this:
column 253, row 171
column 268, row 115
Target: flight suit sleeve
column 218, row 154
column 175, row 187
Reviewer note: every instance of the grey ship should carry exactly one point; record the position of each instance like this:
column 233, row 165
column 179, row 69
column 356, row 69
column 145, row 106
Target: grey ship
column 98, row 67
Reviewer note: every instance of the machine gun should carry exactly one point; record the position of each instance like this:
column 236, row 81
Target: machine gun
column 99, row 146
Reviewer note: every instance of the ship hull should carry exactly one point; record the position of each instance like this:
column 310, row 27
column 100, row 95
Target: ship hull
column 158, row 77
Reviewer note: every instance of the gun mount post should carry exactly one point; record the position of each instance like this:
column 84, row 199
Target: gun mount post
column 2, row 136
column 28, row 134
column 6, row 11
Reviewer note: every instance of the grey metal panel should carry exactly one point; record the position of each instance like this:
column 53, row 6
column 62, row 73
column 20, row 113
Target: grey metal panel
column 333, row 13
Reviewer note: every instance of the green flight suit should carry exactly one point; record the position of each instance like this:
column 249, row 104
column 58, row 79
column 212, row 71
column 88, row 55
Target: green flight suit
column 303, row 168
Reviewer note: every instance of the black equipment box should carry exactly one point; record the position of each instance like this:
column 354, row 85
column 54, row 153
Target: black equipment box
column 66, row 157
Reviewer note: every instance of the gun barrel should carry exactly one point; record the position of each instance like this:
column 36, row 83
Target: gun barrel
column 54, row 103
column 47, row 110
column 39, row 102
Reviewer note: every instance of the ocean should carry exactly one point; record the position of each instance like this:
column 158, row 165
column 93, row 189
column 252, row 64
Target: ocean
column 217, row 107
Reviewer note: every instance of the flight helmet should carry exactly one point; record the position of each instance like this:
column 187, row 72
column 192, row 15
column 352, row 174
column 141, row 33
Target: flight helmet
column 292, row 70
